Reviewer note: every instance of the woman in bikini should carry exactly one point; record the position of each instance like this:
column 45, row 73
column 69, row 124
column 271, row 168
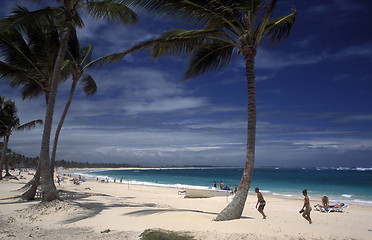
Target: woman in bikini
column 306, row 208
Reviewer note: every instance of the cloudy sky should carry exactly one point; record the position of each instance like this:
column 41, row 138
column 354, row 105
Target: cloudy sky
column 314, row 95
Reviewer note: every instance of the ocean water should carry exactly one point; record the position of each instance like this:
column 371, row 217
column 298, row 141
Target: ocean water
column 349, row 185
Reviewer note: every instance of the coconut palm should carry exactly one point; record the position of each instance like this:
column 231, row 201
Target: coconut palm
column 9, row 122
column 28, row 55
column 78, row 60
column 108, row 9
column 227, row 28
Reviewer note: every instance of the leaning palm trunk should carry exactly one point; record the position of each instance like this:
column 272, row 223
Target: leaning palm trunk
column 62, row 120
column 31, row 186
column 5, row 161
column 48, row 188
column 32, row 181
column 35, row 182
column 3, row 155
column 235, row 208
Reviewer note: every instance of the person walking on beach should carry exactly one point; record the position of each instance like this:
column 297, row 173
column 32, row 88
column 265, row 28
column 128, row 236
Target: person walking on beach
column 260, row 202
column 306, row 208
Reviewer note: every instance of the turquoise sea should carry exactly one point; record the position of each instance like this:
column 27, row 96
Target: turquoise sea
column 350, row 185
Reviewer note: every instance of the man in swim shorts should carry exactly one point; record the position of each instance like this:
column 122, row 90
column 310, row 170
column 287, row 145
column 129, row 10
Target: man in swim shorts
column 260, row 202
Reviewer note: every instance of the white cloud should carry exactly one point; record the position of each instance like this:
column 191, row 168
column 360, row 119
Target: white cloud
column 166, row 105
column 277, row 60
column 355, row 118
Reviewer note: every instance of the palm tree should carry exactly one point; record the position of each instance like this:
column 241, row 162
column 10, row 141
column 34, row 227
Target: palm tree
column 9, row 122
column 109, row 9
column 77, row 61
column 228, row 27
column 29, row 54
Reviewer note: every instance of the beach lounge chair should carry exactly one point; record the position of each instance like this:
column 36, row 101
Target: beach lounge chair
column 332, row 208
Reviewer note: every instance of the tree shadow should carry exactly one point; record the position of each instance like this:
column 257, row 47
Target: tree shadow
column 94, row 208
column 145, row 212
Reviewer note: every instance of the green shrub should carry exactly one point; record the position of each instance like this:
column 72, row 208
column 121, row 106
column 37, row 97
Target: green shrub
column 161, row 234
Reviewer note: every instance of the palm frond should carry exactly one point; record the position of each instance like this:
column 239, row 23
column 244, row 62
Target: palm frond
column 203, row 12
column 31, row 89
column 29, row 125
column 209, row 57
column 248, row 6
column 15, row 49
column 175, row 41
column 21, row 18
column 111, row 10
column 15, row 76
column 280, row 28
column 73, row 47
column 86, row 55
column 89, row 85
column 179, row 41
column 102, row 61
column 77, row 21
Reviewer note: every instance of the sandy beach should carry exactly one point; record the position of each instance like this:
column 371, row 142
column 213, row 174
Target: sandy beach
column 98, row 210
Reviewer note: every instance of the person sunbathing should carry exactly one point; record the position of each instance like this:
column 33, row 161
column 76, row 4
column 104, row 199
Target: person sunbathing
column 338, row 205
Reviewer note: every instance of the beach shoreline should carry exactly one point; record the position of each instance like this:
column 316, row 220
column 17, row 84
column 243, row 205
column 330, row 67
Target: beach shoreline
column 127, row 210
column 273, row 186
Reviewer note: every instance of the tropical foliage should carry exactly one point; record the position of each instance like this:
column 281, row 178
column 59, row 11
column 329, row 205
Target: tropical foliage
column 9, row 122
column 78, row 60
column 68, row 18
column 227, row 28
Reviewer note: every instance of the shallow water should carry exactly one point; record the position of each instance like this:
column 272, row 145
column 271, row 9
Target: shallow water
column 350, row 185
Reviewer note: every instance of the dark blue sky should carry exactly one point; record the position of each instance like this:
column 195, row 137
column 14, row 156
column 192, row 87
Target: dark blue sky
column 314, row 93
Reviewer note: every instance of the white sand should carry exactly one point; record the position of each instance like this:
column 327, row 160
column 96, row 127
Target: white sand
column 128, row 210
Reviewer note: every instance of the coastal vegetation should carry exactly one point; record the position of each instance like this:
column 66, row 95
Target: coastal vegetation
column 222, row 29
column 10, row 122
column 67, row 19
column 161, row 234
column 227, row 28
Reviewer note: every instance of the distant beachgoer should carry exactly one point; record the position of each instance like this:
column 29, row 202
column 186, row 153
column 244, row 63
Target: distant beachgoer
column 325, row 201
column 58, row 180
column 215, row 184
column 221, row 185
column 261, row 203
column 235, row 189
column 338, row 205
column 306, row 208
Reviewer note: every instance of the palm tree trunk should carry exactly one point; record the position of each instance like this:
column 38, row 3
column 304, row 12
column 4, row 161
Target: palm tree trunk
column 36, row 179
column 7, row 173
column 235, row 208
column 29, row 183
column 48, row 188
column 60, row 124
column 34, row 182
column 3, row 155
